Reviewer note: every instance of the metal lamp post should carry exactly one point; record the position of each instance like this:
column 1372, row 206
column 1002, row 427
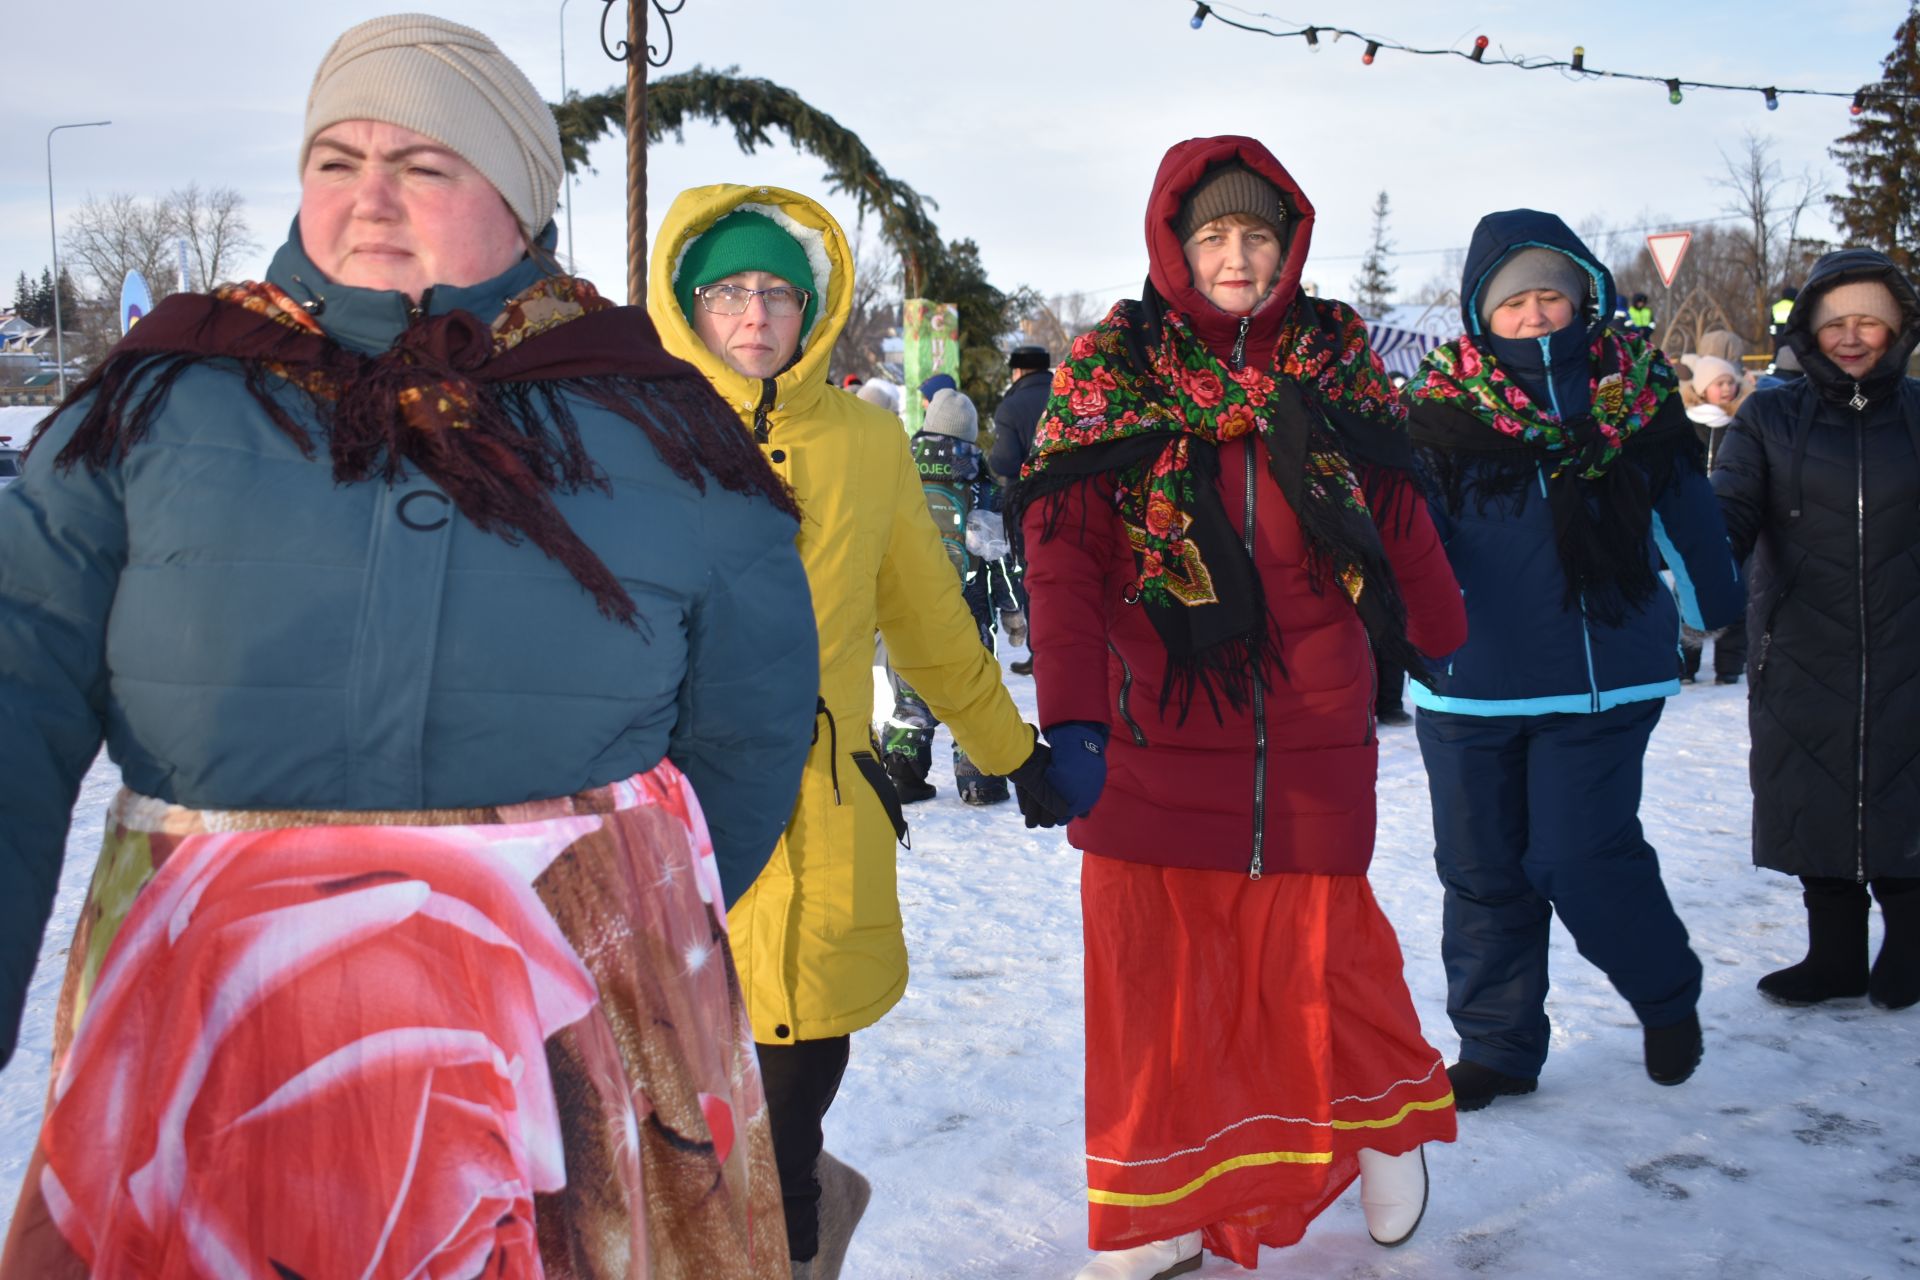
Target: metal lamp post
column 53, row 228
column 566, row 177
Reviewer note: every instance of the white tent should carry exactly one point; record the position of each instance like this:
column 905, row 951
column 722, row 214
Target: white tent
column 1403, row 335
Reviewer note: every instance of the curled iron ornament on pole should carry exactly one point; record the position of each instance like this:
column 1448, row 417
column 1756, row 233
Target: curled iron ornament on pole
column 622, row 50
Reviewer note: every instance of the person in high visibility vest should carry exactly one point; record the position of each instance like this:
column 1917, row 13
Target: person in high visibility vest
column 1782, row 308
column 1640, row 314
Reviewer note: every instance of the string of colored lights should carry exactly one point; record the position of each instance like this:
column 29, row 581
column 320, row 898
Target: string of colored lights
column 1576, row 65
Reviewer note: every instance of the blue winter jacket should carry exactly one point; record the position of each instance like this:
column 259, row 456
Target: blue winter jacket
column 245, row 633
column 1529, row 651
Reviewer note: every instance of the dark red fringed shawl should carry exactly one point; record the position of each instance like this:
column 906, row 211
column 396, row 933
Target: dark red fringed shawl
column 479, row 409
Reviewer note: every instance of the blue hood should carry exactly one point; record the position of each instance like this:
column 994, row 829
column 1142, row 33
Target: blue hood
column 1553, row 370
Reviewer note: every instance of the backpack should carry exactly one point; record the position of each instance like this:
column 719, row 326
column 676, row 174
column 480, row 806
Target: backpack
column 948, row 468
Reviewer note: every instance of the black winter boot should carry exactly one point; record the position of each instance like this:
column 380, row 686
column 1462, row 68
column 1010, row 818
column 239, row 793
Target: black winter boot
column 1836, row 963
column 1474, row 1085
column 1672, row 1052
column 909, row 777
column 1895, row 981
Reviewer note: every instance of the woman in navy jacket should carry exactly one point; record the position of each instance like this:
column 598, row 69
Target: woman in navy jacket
column 1564, row 472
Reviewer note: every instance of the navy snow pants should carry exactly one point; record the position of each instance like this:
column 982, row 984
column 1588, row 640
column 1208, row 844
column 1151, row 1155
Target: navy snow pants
column 1534, row 815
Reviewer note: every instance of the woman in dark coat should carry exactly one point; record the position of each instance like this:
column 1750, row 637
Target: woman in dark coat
column 423, row 601
column 1565, row 471
column 1219, row 514
column 1820, row 480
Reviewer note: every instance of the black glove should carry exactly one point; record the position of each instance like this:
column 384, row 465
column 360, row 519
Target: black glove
column 1040, row 804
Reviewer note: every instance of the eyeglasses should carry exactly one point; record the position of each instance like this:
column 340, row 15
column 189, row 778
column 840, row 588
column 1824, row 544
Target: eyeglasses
column 733, row 300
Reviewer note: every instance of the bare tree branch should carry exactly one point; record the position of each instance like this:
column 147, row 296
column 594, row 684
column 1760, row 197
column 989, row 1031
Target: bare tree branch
column 214, row 224
column 107, row 238
column 1770, row 204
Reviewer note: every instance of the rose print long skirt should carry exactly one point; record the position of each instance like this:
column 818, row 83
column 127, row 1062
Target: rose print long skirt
column 317, row 1046
column 1245, row 1039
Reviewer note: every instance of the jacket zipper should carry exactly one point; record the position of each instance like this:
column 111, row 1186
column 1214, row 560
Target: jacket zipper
column 418, row 311
column 1860, row 570
column 1373, row 701
column 1126, row 691
column 1546, row 364
column 1239, row 356
column 1259, row 703
column 1586, row 636
column 760, row 425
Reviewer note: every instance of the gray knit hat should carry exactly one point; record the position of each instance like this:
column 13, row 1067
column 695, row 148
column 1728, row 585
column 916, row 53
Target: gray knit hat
column 1232, row 188
column 950, row 413
column 453, row 84
column 1534, row 268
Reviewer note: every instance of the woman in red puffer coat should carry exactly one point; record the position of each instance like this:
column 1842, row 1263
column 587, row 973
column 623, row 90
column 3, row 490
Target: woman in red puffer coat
column 1217, row 517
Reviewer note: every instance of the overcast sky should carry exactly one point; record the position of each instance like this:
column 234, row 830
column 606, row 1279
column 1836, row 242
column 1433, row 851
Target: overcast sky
column 1035, row 124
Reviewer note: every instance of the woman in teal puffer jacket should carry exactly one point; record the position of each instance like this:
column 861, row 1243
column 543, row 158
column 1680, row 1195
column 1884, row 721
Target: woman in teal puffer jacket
column 425, row 603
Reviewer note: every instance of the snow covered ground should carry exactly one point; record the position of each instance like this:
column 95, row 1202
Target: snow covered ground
column 1793, row 1153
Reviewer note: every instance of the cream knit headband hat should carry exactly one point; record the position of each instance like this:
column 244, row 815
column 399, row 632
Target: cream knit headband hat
column 453, row 84
column 1858, row 298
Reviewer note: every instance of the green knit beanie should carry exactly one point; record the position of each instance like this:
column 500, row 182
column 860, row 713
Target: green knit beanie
column 746, row 241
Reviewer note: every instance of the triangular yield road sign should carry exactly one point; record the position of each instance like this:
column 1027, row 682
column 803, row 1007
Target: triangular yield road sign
column 1668, row 248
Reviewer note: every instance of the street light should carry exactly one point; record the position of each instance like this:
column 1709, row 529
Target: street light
column 53, row 229
column 566, row 182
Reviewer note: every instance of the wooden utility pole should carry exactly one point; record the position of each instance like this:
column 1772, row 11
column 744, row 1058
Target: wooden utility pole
column 636, row 154
column 638, row 55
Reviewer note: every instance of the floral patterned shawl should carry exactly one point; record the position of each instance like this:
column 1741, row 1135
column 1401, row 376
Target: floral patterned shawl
column 1145, row 405
column 1480, row 436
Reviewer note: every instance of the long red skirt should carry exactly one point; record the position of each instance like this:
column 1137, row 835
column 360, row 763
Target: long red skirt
column 1245, row 1039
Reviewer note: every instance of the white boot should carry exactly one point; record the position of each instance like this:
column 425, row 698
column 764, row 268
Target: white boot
column 1393, row 1194
column 1161, row 1260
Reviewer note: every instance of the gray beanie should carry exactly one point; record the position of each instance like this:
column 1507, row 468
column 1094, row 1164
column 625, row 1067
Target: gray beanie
column 950, row 413
column 881, row 392
column 1232, row 188
column 1533, row 268
column 454, row 85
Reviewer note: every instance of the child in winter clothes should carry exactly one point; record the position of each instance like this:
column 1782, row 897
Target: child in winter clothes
column 1563, row 470
column 1717, row 386
column 953, row 474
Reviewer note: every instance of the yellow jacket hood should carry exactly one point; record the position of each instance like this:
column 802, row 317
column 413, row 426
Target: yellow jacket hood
column 692, row 214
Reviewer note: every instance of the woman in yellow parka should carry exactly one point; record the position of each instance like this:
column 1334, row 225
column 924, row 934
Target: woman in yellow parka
column 753, row 285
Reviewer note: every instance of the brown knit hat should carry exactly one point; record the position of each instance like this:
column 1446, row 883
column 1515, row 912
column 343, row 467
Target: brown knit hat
column 454, row 85
column 1232, row 188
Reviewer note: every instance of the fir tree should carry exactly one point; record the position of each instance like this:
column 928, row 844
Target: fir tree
column 69, row 302
column 43, row 298
column 1373, row 287
column 1880, row 208
column 23, row 298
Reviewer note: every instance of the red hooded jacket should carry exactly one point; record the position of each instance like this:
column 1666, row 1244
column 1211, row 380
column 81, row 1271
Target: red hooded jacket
column 1291, row 776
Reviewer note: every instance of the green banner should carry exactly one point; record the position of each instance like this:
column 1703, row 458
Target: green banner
column 930, row 336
